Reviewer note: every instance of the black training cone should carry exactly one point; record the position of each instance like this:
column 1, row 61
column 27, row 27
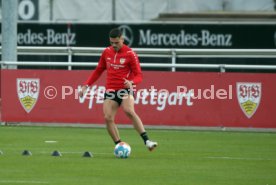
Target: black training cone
column 87, row 154
column 26, row 153
column 56, row 153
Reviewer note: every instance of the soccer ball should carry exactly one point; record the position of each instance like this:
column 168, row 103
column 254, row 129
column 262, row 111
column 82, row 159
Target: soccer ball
column 122, row 150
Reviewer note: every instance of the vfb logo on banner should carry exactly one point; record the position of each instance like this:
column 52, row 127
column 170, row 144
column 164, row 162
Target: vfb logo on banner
column 28, row 91
column 28, row 10
column 249, row 97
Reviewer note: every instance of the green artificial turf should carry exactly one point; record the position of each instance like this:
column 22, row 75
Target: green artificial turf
column 182, row 157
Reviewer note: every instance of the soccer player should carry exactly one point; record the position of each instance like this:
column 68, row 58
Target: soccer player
column 123, row 71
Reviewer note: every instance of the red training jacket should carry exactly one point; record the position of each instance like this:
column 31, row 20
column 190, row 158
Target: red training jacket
column 119, row 65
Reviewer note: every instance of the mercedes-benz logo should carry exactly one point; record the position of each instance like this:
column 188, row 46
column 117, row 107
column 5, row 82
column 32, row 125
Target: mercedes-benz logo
column 127, row 33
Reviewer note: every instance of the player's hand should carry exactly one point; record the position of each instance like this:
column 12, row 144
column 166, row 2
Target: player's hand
column 83, row 90
column 128, row 83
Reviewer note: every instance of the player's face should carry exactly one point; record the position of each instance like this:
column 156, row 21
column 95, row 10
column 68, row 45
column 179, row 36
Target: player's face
column 116, row 43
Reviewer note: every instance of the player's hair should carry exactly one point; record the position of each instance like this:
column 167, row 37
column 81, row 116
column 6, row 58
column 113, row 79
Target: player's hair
column 115, row 32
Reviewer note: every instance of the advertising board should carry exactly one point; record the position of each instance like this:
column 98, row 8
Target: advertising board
column 180, row 99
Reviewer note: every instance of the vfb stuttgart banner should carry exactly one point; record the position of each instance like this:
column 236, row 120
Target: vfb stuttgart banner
column 180, row 99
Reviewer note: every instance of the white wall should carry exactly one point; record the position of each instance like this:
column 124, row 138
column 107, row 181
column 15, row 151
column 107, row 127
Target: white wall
column 250, row 5
column 139, row 10
column 76, row 10
column 182, row 6
column 133, row 10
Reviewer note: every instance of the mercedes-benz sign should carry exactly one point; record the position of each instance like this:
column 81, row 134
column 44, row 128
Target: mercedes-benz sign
column 127, row 33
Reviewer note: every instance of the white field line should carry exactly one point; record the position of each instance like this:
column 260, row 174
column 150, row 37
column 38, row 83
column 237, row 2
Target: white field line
column 44, row 152
column 97, row 153
column 22, row 182
column 50, row 142
column 241, row 158
column 39, row 151
column 71, row 152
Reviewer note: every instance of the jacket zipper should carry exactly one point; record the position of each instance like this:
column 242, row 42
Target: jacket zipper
column 115, row 58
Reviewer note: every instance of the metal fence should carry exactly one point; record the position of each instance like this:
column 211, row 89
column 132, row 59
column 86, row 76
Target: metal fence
column 172, row 54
